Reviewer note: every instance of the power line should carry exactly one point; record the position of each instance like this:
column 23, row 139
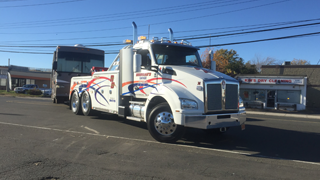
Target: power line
column 43, row 4
column 261, row 40
column 112, row 18
column 10, row 0
column 107, row 29
column 250, row 32
column 193, row 36
column 203, row 46
column 238, row 10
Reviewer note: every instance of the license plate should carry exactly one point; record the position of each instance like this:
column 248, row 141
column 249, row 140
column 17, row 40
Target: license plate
column 243, row 126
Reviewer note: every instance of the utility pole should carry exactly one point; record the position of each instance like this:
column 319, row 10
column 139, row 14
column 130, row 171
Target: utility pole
column 8, row 79
column 148, row 30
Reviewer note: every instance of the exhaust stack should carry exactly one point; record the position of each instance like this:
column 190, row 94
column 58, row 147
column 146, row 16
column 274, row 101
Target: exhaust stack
column 170, row 34
column 213, row 63
column 135, row 33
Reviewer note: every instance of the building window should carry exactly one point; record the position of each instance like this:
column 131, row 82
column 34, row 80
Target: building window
column 288, row 96
column 28, row 81
column 3, row 82
column 253, row 95
column 33, row 81
column 15, row 82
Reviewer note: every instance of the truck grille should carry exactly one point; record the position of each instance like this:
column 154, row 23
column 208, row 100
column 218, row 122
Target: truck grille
column 221, row 96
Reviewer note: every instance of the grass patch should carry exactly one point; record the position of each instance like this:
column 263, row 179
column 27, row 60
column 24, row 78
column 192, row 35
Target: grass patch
column 12, row 93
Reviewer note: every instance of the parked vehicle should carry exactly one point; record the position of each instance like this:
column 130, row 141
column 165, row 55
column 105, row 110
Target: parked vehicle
column 162, row 83
column 25, row 88
column 70, row 61
column 46, row 92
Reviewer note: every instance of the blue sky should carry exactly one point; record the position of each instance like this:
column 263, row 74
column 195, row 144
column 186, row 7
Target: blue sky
column 68, row 22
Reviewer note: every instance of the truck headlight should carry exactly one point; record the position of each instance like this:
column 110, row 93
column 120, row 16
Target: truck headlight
column 188, row 104
column 240, row 102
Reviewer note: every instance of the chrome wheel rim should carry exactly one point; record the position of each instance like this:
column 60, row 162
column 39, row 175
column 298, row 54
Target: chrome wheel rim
column 164, row 123
column 75, row 102
column 85, row 102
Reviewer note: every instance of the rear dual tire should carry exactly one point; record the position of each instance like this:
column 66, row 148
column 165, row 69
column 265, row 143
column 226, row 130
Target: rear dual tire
column 86, row 105
column 75, row 103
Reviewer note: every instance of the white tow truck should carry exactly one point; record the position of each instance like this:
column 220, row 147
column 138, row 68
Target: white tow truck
column 161, row 82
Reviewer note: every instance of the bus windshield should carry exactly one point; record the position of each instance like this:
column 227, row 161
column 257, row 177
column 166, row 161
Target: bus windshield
column 176, row 55
column 78, row 62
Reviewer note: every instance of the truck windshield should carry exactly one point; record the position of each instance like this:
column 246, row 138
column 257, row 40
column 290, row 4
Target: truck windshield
column 176, row 55
column 78, row 62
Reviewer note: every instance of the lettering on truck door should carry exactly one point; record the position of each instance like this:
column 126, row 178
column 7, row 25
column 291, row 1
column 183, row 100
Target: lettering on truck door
column 144, row 81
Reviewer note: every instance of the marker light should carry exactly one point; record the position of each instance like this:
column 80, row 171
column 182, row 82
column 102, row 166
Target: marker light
column 127, row 41
column 142, row 38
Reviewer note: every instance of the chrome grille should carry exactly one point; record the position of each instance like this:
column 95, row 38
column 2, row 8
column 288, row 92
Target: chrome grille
column 221, row 96
column 232, row 96
column 214, row 97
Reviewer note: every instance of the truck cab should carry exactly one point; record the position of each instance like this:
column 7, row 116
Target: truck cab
column 161, row 82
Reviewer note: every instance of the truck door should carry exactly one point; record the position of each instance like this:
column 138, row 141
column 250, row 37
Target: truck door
column 146, row 80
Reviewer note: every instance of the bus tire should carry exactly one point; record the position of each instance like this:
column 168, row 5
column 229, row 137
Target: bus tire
column 75, row 103
column 161, row 124
column 86, row 104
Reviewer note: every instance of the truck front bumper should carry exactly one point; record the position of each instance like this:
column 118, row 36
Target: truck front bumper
column 215, row 120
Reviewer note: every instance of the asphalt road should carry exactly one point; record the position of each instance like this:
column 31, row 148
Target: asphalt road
column 41, row 140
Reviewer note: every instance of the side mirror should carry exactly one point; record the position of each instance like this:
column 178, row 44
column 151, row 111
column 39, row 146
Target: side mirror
column 137, row 62
column 154, row 68
column 54, row 65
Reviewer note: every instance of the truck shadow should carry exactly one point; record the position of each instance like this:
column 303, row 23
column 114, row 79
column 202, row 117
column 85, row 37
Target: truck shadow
column 260, row 141
column 257, row 140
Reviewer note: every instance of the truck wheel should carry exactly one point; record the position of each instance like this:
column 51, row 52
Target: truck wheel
column 161, row 124
column 75, row 103
column 86, row 104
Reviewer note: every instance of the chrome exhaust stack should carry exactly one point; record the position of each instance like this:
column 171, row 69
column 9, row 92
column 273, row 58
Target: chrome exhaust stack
column 135, row 33
column 170, row 34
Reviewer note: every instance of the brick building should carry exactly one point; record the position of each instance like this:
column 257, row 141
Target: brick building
column 24, row 75
column 312, row 72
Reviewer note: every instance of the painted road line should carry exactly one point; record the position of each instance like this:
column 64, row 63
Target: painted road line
column 155, row 142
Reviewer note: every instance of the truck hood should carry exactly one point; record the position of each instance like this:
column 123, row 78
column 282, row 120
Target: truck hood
column 201, row 73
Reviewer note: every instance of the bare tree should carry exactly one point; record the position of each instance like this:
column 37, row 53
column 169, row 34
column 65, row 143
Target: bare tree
column 258, row 61
column 299, row 62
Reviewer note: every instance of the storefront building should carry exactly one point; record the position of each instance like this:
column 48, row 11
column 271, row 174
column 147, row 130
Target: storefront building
column 273, row 92
column 23, row 75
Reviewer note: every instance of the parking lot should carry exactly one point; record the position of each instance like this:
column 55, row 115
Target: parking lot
column 42, row 140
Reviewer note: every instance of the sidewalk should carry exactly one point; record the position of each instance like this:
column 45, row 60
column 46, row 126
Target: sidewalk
column 310, row 114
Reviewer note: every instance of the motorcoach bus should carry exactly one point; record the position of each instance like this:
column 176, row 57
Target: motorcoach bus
column 70, row 61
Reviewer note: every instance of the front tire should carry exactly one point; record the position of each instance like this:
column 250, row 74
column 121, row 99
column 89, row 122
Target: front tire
column 75, row 103
column 86, row 104
column 161, row 124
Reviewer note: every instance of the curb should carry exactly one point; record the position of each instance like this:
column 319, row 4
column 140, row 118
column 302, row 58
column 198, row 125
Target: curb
column 308, row 116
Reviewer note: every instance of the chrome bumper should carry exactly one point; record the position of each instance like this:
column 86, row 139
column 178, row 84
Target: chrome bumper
column 215, row 120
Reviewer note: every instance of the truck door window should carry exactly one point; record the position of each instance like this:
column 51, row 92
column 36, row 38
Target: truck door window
column 145, row 59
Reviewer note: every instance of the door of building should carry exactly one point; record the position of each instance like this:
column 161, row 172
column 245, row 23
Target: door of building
column 271, row 94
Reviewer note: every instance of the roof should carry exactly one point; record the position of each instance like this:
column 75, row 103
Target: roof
column 290, row 66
